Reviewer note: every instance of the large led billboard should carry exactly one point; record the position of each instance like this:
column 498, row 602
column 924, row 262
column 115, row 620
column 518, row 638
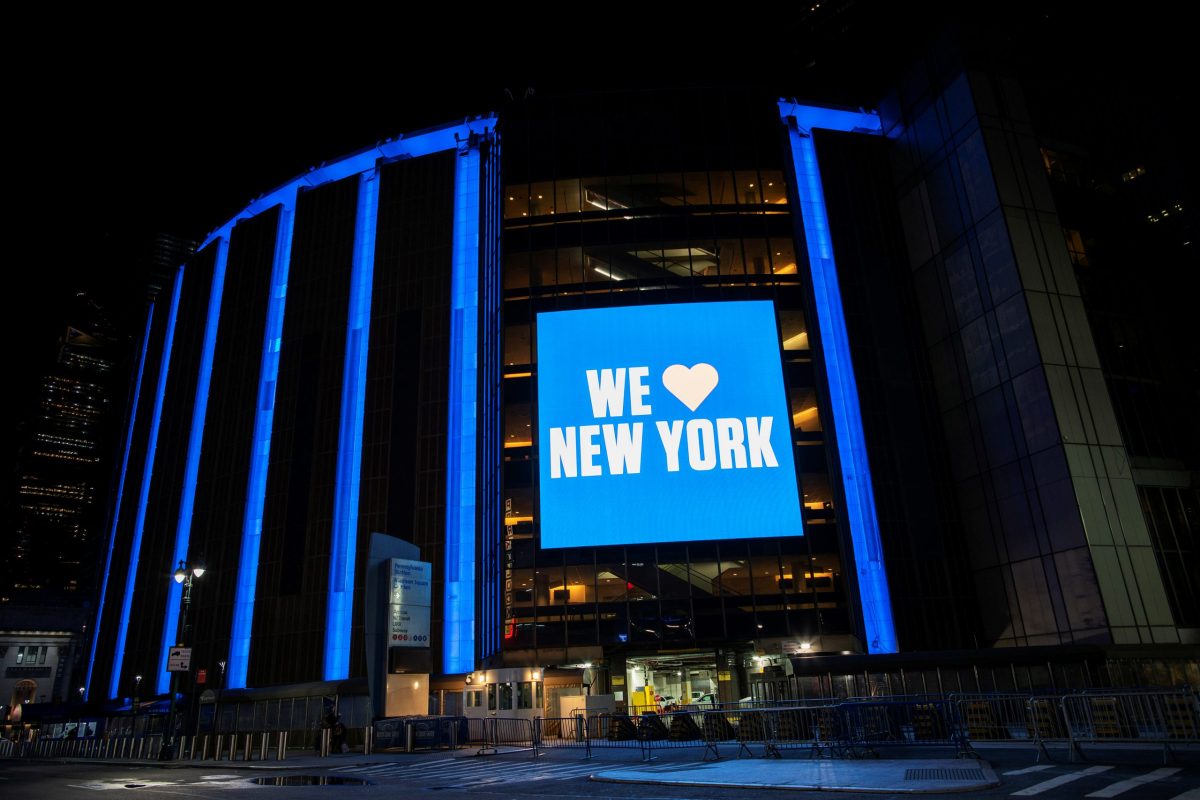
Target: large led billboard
column 663, row 423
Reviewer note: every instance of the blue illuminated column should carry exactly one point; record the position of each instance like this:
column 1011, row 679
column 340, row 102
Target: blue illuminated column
column 260, row 454
column 459, row 607
column 835, row 344
column 349, row 461
column 139, row 522
column 116, row 513
column 191, row 465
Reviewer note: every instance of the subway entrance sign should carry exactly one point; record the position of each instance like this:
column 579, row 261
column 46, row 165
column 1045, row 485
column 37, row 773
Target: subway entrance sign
column 663, row 423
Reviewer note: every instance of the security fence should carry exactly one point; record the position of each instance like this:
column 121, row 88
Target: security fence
column 847, row 728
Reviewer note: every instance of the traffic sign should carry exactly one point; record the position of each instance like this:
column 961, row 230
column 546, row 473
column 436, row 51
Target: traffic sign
column 179, row 659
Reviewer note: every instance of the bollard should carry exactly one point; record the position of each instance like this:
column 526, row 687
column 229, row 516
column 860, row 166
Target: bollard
column 326, row 737
column 408, row 737
column 264, row 741
column 141, row 746
column 368, row 740
column 281, row 746
column 219, row 747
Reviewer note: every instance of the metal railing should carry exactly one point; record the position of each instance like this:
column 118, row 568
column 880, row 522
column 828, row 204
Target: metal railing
column 1162, row 718
column 836, row 728
column 492, row 732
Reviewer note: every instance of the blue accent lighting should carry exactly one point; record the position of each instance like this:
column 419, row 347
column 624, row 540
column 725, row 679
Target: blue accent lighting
column 260, row 455
column 663, row 423
column 112, row 534
column 458, row 646
column 349, row 461
column 139, row 522
column 835, row 344
column 191, row 468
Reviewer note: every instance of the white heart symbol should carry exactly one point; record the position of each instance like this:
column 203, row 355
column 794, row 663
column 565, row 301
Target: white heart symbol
column 690, row 385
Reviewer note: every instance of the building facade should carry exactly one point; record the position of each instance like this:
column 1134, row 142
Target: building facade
column 357, row 352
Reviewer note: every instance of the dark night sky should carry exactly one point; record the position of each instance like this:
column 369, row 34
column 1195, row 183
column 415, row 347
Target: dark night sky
column 131, row 134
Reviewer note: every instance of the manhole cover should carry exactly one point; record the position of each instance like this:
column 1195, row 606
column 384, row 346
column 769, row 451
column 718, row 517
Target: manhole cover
column 309, row 780
column 943, row 774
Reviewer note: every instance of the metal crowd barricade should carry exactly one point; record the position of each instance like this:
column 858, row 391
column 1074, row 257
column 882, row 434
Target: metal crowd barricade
column 1164, row 718
column 874, row 724
column 560, row 732
column 511, row 731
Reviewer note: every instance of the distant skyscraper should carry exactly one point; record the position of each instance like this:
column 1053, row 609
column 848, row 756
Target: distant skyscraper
column 66, row 445
column 63, row 464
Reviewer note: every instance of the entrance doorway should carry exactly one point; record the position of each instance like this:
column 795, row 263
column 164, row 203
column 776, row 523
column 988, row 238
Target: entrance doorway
column 661, row 682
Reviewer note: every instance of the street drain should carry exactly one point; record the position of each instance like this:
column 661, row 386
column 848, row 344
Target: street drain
column 943, row 774
column 309, row 780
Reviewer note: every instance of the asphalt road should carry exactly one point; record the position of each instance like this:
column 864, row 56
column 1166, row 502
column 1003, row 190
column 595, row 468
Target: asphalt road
column 562, row 775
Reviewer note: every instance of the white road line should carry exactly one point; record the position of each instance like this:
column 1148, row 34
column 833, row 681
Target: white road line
column 1190, row 794
column 1053, row 783
column 1027, row 770
column 1124, row 786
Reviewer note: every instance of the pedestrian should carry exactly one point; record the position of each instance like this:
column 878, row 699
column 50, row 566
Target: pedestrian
column 338, row 737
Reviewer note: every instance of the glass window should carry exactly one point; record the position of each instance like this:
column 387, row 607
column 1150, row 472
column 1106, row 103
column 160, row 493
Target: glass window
column 491, row 692
column 516, row 202
column 538, row 700
column 21, row 655
column 506, row 696
column 525, row 694
column 517, row 348
column 42, row 651
column 724, row 190
column 783, row 257
column 805, row 416
column 695, row 188
column 541, row 199
column 749, row 188
column 518, row 432
column 566, row 197
column 774, row 189
column 758, row 256
column 516, row 271
column 793, row 329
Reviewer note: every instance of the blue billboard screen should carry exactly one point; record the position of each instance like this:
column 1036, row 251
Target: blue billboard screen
column 663, row 423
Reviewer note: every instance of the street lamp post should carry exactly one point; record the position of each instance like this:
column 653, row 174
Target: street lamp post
column 184, row 575
column 134, row 707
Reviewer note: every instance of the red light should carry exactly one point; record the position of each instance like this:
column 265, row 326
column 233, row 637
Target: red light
column 628, row 586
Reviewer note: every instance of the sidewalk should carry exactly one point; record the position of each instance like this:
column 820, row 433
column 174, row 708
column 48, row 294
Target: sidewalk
column 898, row 776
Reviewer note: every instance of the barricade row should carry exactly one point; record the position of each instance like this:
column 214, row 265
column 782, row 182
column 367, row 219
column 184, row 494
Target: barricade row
column 841, row 730
column 1162, row 718
column 838, row 729
column 257, row 746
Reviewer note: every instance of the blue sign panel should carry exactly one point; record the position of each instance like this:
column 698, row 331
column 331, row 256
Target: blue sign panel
column 663, row 423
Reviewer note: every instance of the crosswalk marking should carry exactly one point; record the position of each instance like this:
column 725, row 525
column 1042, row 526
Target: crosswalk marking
column 1190, row 794
column 1124, row 786
column 1027, row 770
column 1053, row 783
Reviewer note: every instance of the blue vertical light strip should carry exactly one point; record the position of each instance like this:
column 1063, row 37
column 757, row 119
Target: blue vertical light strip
column 116, row 514
column 343, row 542
column 139, row 522
column 843, row 388
column 191, row 464
column 458, row 647
column 260, row 454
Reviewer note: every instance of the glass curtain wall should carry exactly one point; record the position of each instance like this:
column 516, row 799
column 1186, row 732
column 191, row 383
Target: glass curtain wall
column 638, row 201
